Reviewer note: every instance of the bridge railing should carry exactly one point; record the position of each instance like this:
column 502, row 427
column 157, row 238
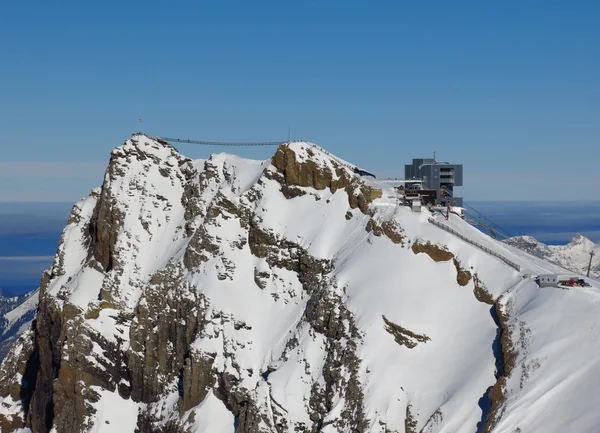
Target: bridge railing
column 476, row 244
column 219, row 143
column 265, row 143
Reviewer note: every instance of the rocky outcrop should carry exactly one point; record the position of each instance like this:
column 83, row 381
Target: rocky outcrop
column 403, row 336
column 361, row 196
column 328, row 316
column 48, row 338
column 293, row 173
column 439, row 253
column 18, row 373
column 165, row 323
column 391, row 229
column 497, row 394
column 462, row 275
column 308, row 173
column 436, row 252
column 410, row 424
column 481, row 292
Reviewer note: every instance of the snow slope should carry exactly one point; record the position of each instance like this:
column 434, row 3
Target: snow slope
column 574, row 256
column 305, row 313
column 16, row 315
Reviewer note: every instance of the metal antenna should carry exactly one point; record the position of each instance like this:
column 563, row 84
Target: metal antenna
column 590, row 264
column 289, row 133
column 434, row 156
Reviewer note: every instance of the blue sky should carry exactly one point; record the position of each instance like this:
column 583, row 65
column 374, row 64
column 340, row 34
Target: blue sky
column 510, row 89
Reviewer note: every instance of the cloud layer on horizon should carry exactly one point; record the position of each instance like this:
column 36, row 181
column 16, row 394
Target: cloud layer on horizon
column 18, row 170
column 29, row 231
column 554, row 222
column 32, row 181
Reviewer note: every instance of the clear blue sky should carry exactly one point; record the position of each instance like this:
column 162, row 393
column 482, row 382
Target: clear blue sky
column 511, row 89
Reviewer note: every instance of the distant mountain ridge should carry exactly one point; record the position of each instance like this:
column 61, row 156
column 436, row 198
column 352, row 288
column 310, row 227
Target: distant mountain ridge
column 574, row 256
column 16, row 313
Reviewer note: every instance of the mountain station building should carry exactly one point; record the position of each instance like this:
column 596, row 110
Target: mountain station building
column 435, row 180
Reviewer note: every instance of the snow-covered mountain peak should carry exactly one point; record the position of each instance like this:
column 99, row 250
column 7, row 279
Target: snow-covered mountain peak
column 146, row 146
column 582, row 242
column 142, row 155
column 292, row 294
column 574, row 256
column 529, row 239
column 305, row 151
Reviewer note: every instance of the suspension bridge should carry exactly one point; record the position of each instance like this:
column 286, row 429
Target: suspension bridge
column 346, row 164
column 224, row 143
column 474, row 217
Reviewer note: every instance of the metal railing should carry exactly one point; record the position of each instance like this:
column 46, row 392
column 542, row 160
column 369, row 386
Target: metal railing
column 220, row 143
column 265, row 143
column 476, row 244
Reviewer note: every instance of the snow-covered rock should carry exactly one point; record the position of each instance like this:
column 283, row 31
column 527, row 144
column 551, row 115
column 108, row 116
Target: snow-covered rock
column 575, row 256
column 291, row 295
column 16, row 315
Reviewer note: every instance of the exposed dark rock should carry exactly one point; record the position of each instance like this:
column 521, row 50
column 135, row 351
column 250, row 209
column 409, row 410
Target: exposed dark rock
column 462, row 275
column 481, row 292
column 292, row 174
column 197, row 379
column 361, row 196
column 509, row 354
column 436, row 252
column 106, row 223
column 147, row 423
column 164, row 326
column 328, row 316
column 201, row 248
column 17, row 365
column 441, row 254
column 47, row 350
column 390, row 229
column 307, row 173
column 403, row 336
column 260, row 278
column 410, row 423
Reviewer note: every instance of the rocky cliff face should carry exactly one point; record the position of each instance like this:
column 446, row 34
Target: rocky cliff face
column 289, row 295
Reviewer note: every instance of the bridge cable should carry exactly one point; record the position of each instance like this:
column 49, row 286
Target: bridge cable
column 481, row 215
column 220, row 143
